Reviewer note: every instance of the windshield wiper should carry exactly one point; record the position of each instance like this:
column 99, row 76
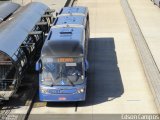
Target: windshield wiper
column 70, row 82
column 62, row 73
column 68, row 78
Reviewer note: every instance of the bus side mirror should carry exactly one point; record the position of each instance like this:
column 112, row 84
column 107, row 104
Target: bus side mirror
column 38, row 66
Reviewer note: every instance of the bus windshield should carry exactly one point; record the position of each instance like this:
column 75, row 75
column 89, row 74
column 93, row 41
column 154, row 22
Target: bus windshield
column 62, row 73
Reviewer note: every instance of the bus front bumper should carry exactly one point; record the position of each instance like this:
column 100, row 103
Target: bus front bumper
column 62, row 97
column 62, row 94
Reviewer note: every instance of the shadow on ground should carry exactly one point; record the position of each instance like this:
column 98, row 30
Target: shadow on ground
column 104, row 80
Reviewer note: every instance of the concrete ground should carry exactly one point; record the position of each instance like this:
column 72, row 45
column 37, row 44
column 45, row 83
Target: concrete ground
column 117, row 82
column 148, row 17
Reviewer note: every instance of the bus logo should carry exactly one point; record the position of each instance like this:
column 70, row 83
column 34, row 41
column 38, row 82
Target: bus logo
column 62, row 82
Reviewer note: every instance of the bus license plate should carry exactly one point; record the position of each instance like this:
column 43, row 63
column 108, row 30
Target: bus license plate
column 62, row 98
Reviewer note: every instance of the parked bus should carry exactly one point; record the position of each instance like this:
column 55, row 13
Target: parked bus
column 63, row 65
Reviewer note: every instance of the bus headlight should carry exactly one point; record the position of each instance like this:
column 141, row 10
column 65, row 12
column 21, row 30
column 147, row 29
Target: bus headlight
column 44, row 91
column 81, row 90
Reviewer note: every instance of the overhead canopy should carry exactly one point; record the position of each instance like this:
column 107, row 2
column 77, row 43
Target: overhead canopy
column 62, row 42
column 70, row 20
column 74, row 10
column 6, row 9
column 15, row 30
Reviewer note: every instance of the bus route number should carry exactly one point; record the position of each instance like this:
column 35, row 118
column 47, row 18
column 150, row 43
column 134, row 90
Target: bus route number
column 65, row 60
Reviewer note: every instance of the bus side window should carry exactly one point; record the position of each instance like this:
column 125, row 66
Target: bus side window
column 86, row 38
column 86, row 65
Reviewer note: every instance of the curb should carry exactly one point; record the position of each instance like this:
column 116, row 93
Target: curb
column 150, row 67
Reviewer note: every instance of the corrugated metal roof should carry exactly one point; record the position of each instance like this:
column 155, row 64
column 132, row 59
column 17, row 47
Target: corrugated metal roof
column 6, row 9
column 15, row 30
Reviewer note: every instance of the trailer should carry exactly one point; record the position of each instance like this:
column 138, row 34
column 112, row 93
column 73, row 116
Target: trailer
column 7, row 9
column 21, row 39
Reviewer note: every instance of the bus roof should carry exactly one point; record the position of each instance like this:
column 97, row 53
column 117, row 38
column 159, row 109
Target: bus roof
column 77, row 10
column 16, row 29
column 64, row 42
column 63, row 21
column 6, row 9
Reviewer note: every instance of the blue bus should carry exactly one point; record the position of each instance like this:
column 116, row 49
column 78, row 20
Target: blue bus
column 63, row 63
